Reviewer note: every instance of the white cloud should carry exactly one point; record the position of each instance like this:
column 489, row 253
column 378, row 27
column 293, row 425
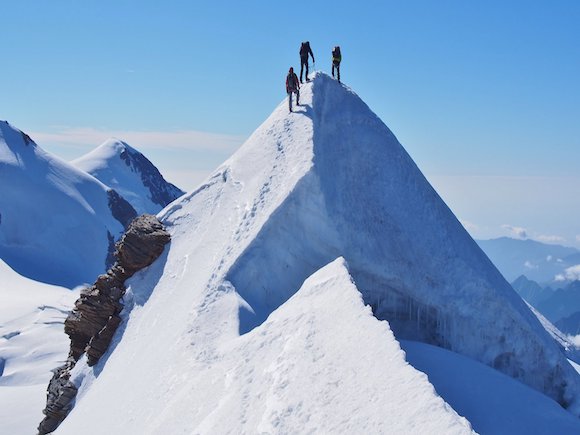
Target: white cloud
column 570, row 274
column 575, row 339
column 550, row 239
column 181, row 139
column 518, row 232
column 530, row 265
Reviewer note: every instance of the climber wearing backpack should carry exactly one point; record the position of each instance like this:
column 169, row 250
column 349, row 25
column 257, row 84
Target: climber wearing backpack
column 292, row 86
column 304, row 51
column 336, row 58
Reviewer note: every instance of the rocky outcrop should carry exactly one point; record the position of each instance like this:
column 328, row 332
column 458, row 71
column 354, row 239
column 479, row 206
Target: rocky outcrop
column 26, row 139
column 59, row 398
column 96, row 316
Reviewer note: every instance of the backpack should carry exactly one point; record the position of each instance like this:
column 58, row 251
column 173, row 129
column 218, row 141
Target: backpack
column 304, row 48
column 336, row 52
column 291, row 81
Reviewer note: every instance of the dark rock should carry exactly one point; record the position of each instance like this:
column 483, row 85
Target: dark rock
column 108, row 281
column 141, row 244
column 120, row 208
column 60, row 395
column 100, row 342
column 92, row 323
column 90, row 315
column 26, row 139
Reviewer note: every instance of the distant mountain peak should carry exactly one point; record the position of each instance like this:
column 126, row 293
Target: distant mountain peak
column 116, row 146
column 6, row 126
column 129, row 172
column 14, row 137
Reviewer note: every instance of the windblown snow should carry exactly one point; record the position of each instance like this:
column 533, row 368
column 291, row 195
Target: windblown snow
column 242, row 326
column 57, row 223
column 131, row 174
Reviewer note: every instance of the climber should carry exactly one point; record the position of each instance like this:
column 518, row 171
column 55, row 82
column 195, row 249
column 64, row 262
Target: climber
column 304, row 51
column 292, row 85
column 336, row 58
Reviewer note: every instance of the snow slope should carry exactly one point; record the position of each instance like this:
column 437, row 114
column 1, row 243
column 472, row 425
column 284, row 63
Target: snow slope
column 56, row 222
column 329, row 180
column 492, row 402
column 307, row 368
column 32, row 343
column 131, row 174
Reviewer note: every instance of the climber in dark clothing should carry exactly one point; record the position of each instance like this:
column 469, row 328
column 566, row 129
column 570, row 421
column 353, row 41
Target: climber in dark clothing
column 305, row 50
column 292, row 86
column 336, row 58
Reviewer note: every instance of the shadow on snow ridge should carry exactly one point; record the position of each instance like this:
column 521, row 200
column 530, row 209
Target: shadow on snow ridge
column 293, row 244
column 365, row 200
column 318, row 222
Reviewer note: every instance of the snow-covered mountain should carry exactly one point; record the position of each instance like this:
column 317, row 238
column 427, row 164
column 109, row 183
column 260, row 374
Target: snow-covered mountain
column 57, row 223
column 251, row 321
column 32, row 343
column 131, row 174
column 538, row 261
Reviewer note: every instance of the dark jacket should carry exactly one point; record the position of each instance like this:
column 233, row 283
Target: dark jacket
column 305, row 50
column 292, row 82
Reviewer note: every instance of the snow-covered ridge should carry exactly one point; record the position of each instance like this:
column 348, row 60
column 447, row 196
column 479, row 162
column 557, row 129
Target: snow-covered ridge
column 129, row 172
column 327, row 181
column 57, row 223
column 361, row 196
column 301, row 370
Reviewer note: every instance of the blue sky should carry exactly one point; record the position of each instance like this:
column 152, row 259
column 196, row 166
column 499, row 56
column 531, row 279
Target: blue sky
column 485, row 96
